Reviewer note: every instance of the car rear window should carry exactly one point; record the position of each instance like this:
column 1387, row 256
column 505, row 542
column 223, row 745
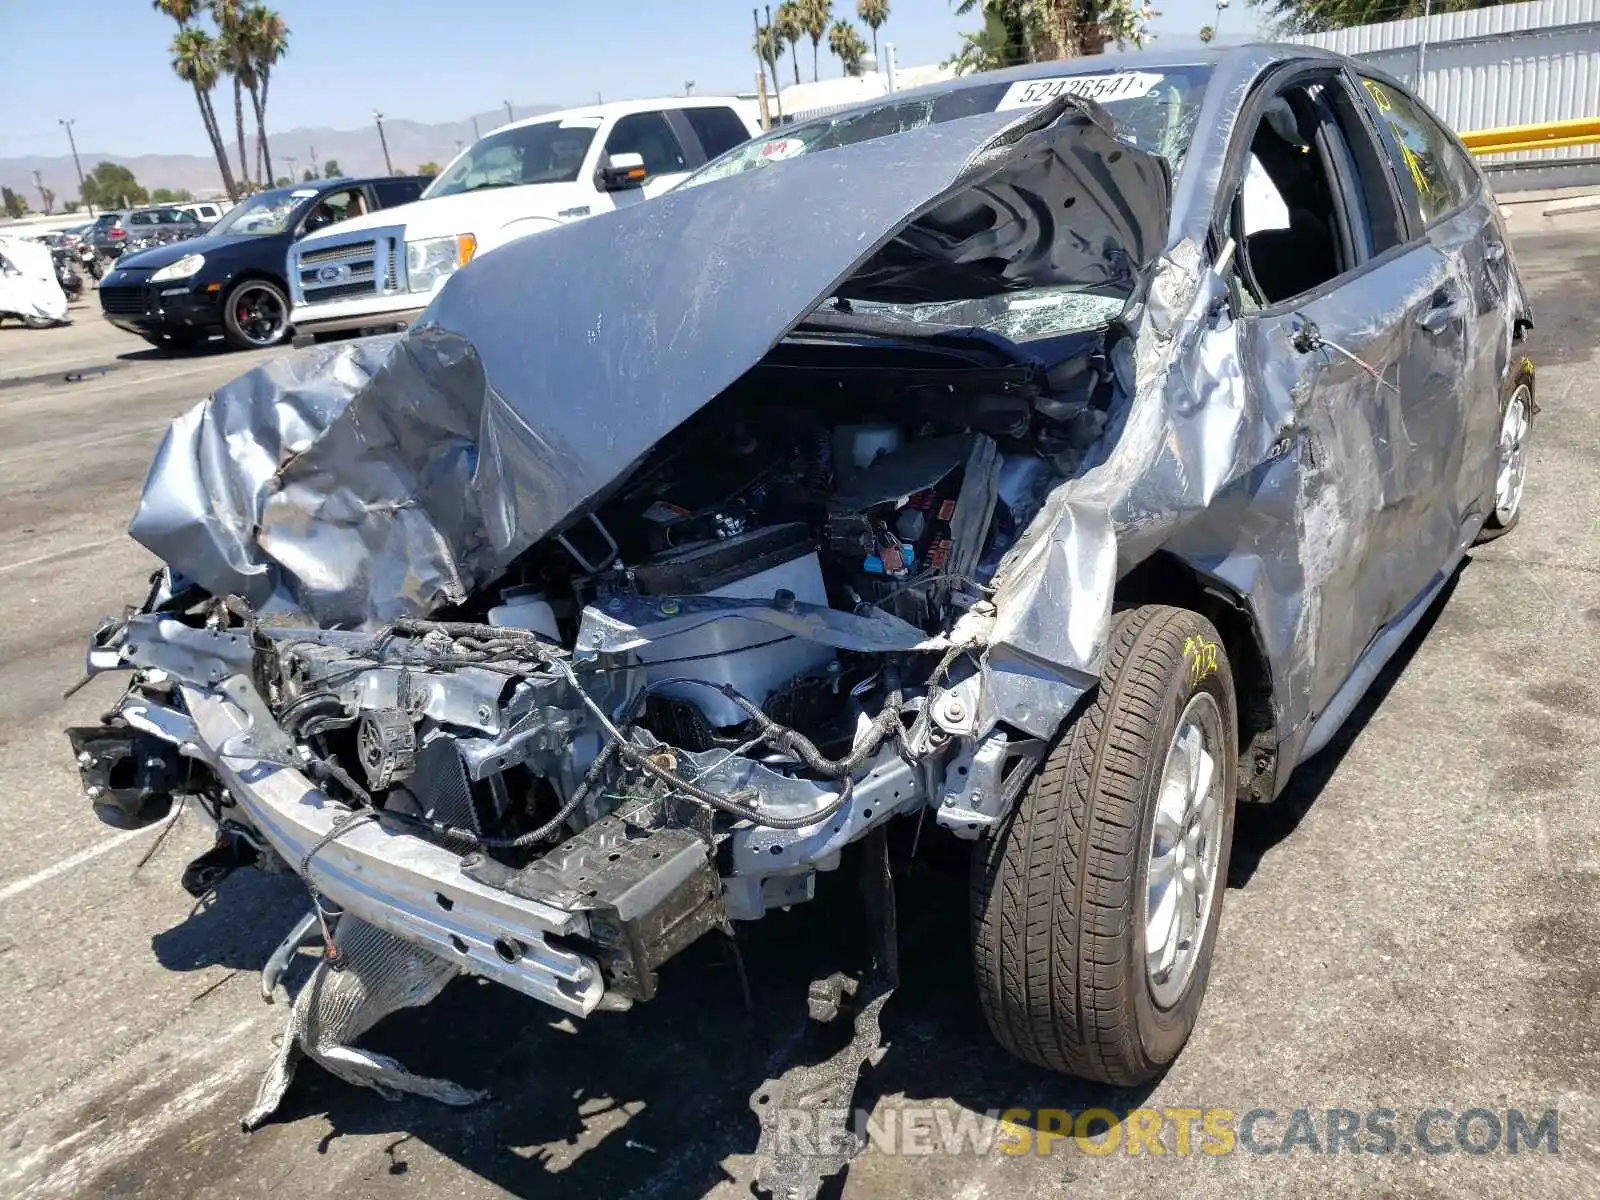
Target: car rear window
column 719, row 129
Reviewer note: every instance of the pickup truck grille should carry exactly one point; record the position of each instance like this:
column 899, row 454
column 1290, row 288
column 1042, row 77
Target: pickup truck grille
column 371, row 263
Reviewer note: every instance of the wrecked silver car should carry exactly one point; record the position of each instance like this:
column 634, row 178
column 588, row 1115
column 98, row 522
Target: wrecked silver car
column 1048, row 459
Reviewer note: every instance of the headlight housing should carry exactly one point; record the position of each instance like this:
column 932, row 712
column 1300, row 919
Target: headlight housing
column 430, row 261
column 185, row 267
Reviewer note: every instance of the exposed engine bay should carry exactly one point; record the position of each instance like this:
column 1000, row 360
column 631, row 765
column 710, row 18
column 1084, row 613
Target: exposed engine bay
column 684, row 703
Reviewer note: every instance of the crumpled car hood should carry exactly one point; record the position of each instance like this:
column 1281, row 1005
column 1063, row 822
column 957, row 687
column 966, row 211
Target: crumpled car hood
column 394, row 475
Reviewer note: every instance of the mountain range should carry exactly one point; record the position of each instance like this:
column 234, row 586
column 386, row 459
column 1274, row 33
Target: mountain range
column 357, row 151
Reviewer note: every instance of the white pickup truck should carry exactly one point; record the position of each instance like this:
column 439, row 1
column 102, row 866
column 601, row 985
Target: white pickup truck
column 380, row 271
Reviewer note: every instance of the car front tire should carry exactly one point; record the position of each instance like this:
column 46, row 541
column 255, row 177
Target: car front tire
column 1078, row 968
column 255, row 315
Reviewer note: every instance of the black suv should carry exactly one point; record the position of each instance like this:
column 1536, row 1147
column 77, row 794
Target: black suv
column 231, row 281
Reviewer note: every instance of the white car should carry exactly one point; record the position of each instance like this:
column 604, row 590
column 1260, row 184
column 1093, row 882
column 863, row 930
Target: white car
column 380, row 271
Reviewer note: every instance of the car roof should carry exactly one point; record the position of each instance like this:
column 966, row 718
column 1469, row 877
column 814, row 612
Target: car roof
column 1248, row 59
column 622, row 108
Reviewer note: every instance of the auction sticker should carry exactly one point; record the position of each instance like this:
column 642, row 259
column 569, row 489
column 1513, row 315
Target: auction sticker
column 782, row 148
column 1124, row 85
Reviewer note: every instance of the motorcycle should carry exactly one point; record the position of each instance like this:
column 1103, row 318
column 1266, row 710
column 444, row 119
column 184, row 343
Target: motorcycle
column 89, row 261
column 66, row 275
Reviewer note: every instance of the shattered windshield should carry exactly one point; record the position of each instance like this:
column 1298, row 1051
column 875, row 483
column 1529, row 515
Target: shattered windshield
column 1018, row 317
column 1154, row 109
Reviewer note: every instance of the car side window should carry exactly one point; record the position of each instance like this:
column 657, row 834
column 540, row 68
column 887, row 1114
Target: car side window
column 335, row 207
column 1424, row 152
column 719, row 129
column 648, row 135
column 1312, row 203
column 397, row 191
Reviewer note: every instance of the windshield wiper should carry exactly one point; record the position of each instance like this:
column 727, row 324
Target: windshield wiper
column 481, row 187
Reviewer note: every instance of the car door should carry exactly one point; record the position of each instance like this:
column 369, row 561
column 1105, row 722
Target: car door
column 1464, row 339
column 651, row 136
column 1331, row 281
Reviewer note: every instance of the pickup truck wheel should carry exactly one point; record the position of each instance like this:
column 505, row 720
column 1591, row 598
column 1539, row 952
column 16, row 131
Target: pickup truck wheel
column 1511, row 467
column 255, row 314
column 1095, row 904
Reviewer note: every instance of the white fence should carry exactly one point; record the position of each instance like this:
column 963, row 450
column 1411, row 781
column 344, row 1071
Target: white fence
column 1511, row 64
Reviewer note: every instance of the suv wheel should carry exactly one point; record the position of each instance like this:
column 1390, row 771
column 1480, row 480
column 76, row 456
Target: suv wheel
column 1095, row 905
column 255, row 314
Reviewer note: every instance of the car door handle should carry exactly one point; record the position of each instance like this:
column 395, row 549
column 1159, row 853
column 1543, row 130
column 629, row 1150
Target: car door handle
column 1444, row 312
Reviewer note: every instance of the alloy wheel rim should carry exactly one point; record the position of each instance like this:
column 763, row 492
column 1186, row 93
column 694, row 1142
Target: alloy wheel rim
column 1184, row 850
column 259, row 314
column 1513, row 456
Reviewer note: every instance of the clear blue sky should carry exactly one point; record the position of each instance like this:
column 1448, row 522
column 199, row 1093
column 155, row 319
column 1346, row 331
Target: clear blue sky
column 105, row 62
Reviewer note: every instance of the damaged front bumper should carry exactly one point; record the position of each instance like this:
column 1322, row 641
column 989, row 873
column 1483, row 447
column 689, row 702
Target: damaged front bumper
column 585, row 923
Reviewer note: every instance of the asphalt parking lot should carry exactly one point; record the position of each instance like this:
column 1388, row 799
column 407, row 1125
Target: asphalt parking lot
column 1416, row 925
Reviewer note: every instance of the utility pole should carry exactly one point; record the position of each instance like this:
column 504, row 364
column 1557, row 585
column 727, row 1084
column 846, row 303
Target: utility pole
column 475, row 134
column 1422, row 46
column 316, row 167
column 777, row 84
column 510, row 116
column 387, row 165
column 1216, row 26
column 73, row 142
column 46, row 196
column 294, row 175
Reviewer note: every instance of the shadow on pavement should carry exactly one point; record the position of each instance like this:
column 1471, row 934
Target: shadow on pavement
column 652, row 1102
column 1259, row 827
column 238, row 925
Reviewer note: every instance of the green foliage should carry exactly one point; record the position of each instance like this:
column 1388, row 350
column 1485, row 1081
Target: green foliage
column 15, row 204
column 1317, row 16
column 786, row 24
column 814, row 16
column 873, row 14
column 1020, row 31
column 111, row 185
column 308, row 176
column 170, row 195
column 330, row 169
column 847, row 46
column 429, row 168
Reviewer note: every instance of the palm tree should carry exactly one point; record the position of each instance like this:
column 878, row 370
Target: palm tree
column 1012, row 28
column 786, row 24
column 814, row 16
column 846, row 45
column 234, row 48
column 873, row 14
column 769, row 48
column 194, row 60
column 267, row 38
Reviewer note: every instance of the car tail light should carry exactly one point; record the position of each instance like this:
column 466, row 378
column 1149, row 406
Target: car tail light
column 117, row 232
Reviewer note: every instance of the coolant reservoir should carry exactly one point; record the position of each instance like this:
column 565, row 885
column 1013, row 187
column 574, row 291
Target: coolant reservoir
column 526, row 608
column 857, row 447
